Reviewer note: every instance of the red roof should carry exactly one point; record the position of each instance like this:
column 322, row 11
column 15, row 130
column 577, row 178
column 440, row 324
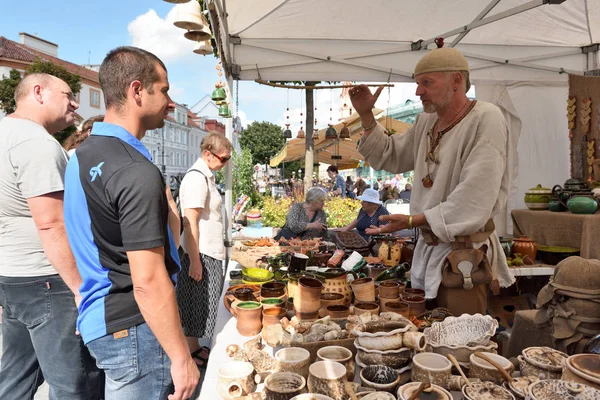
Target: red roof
column 19, row 52
column 190, row 119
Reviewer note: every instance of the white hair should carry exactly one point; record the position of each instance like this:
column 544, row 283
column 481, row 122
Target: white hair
column 315, row 194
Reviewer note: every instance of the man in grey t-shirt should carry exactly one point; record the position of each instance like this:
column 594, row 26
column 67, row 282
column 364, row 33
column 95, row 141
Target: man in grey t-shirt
column 39, row 281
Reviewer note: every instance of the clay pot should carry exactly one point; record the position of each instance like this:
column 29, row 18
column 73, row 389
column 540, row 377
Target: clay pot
column 401, row 287
column 432, row 368
column 389, row 290
column 416, row 303
column 338, row 311
column 583, row 368
column 332, row 299
column 487, row 372
column 272, row 302
column 360, row 308
column 235, row 379
column 486, row 390
column 328, row 378
column 284, row 385
column 364, row 289
column 308, row 298
column 375, row 270
column 413, row 291
column 542, row 362
column 249, row 317
column 398, row 307
column 293, row 359
column 298, row 262
column 380, row 377
column 437, row 392
column 537, row 198
column 312, row 396
column 559, row 389
column 272, row 289
column 524, row 246
column 341, row 355
column 582, row 205
column 390, row 251
column 336, row 281
column 273, row 316
column 383, row 302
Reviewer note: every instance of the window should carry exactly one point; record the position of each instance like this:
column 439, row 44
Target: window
column 154, row 155
column 94, row 98
column 178, row 157
column 172, row 159
column 77, row 97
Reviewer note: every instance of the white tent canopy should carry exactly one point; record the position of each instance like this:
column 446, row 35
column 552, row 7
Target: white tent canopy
column 519, row 52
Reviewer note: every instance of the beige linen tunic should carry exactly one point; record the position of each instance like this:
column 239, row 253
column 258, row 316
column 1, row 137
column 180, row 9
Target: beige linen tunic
column 194, row 193
column 470, row 184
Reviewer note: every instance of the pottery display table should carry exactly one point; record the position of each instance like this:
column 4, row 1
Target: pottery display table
column 225, row 334
column 560, row 229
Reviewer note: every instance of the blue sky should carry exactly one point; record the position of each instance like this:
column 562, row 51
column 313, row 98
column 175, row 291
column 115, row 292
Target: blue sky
column 87, row 30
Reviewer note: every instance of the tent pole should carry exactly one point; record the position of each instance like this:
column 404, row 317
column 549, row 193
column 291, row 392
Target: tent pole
column 229, row 179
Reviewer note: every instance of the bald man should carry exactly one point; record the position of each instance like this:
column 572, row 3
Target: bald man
column 39, row 282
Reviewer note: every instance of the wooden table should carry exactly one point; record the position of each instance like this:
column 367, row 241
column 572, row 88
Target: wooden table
column 560, row 229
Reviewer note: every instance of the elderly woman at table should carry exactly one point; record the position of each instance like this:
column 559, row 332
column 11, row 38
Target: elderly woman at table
column 306, row 220
column 368, row 216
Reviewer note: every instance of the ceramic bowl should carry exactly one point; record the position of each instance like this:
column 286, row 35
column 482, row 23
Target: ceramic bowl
column 378, row 396
column 583, row 368
column 293, row 359
column 366, row 307
column 437, row 392
column 487, row 372
column 396, row 358
column 382, row 336
column 328, row 378
column 432, row 368
column 380, row 377
column 311, row 396
column 520, row 385
column 486, row 391
column 283, row 385
column 251, row 274
column 339, row 354
column 556, row 389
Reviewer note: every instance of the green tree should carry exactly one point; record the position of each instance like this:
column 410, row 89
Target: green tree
column 263, row 140
column 242, row 170
column 9, row 84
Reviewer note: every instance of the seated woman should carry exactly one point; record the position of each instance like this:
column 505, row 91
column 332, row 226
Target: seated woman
column 306, row 220
column 368, row 216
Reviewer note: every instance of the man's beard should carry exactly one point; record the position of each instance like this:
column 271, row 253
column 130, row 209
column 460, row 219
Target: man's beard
column 446, row 100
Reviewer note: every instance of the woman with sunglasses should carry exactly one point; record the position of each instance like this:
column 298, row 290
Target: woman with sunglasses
column 201, row 277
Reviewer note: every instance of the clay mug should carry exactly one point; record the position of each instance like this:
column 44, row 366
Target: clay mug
column 271, row 302
column 364, row 289
column 249, row 317
column 272, row 289
column 293, row 359
column 284, row 385
column 308, row 298
column 338, row 354
column 235, row 379
column 432, row 368
column 416, row 303
column 298, row 262
column 401, row 287
column 338, row 311
column 413, row 291
column 383, row 302
column 331, row 299
column 273, row 315
column 389, row 289
column 398, row 307
column 241, row 294
column 328, row 378
column 366, row 307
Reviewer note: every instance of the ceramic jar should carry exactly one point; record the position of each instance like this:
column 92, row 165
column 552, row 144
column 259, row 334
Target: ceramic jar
column 336, row 281
column 249, row 317
column 487, row 372
column 308, row 298
column 583, row 368
column 328, row 378
column 551, row 389
column 556, row 205
column 390, row 251
column 364, row 289
column 432, row 368
column 389, row 289
column 284, row 385
column 437, row 392
column 292, row 284
column 273, row 316
column 582, row 205
column 235, row 379
column 293, row 359
column 341, row 355
column 542, row 362
column 524, row 246
column 416, row 303
column 380, row 378
column 413, row 291
column 537, row 198
column 486, row 391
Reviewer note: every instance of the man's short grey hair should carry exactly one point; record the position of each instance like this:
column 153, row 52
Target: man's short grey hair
column 315, row 194
column 28, row 81
column 465, row 77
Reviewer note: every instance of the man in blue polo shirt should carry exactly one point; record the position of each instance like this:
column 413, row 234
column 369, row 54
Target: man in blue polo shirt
column 117, row 214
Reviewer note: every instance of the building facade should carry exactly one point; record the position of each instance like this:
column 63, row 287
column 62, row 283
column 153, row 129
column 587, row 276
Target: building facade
column 21, row 55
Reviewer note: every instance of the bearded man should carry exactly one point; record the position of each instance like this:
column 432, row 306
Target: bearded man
column 458, row 151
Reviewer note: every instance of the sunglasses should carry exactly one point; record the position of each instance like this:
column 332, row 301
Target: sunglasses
column 222, row 159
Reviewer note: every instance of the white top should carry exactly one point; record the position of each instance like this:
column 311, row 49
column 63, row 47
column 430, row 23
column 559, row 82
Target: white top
column 194, row 193
column 470, row 185
column 32, row 163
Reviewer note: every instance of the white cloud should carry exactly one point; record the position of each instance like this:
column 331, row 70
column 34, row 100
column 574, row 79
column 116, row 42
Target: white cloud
column 151, row 32
column 244, row 119
column 176, row 91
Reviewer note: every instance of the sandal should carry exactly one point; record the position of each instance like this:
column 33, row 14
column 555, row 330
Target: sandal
column 200, row 356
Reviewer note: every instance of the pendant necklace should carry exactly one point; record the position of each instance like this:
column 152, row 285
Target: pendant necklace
column 432, row 150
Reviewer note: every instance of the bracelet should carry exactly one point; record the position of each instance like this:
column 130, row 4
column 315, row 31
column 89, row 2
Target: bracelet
column 410, row 226
column 371, row 127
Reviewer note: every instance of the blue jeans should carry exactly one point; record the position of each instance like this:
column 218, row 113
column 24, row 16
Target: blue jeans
column 39, row 342
column 136, row 366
